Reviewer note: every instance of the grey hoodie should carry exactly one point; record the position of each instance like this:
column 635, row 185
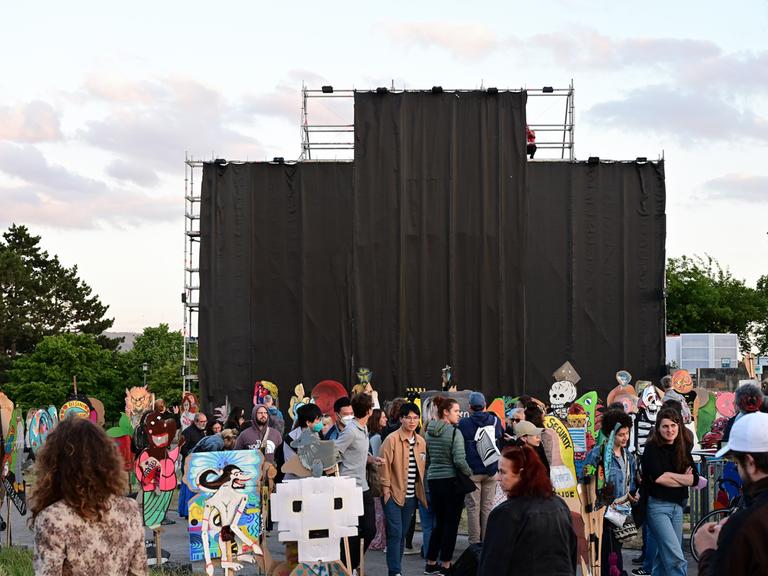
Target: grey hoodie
column 256, row 437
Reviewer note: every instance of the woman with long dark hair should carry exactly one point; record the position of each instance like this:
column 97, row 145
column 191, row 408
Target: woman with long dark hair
column 668, row 472
column 445, row 455
column 531, row 532
column 82, row 523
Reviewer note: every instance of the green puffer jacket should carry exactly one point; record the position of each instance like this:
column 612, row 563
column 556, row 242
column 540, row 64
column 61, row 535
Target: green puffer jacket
column 441, row 457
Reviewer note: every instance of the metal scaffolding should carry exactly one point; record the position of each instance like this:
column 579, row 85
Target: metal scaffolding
column 325, row 141
column 190, row 298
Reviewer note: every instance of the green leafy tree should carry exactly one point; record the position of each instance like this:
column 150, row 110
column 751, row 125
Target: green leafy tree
column 162, row 350
column 702, row 296
column 40, row 297
column 44, row 376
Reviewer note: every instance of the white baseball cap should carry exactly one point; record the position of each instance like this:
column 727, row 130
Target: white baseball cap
column 749, row 434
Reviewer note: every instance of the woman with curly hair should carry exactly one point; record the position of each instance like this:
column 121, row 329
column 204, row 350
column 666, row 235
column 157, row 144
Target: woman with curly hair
column 82, row 523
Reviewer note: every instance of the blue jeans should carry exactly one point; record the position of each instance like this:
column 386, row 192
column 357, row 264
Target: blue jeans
column 398, row 520
column 665, row 522
column 650, row 549
column 427, row 519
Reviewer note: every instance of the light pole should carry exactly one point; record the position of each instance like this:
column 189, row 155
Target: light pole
column 145, row 369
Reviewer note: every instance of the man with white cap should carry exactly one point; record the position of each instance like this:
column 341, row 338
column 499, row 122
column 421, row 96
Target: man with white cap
column 739, row 545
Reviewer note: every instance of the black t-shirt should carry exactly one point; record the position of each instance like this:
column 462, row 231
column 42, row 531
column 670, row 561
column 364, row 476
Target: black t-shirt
column 656, row 461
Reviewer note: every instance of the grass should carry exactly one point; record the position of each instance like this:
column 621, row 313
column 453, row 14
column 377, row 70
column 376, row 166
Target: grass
column 17, row 561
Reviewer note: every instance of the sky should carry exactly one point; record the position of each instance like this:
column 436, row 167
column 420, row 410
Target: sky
column 100, row 104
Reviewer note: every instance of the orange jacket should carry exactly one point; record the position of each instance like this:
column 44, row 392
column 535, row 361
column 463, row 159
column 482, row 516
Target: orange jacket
column 394, row 471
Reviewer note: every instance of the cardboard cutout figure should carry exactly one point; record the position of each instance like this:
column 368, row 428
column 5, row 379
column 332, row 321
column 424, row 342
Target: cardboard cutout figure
column 624, row 392
column 561, row 394
column 6, row 410
column 121, row 435
column 74, row 408
column 325, row 393
column 314, row 455
column 566, row 372
column 298, row 400
column 705, row 413
column 40, row 425
column 589, row 402
column 445, row 379
column 138, row 400
column 225, row 516
column 649, row 404
column 263, row 388
column 364, row 384
column 317, row 513
column 97, row 414
column 726, row 404
column 188, row 410
column 155, row 468
column 10, row 469
column 682, row 381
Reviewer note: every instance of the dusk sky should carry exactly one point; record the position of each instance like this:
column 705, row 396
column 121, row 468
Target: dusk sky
column 99, row 103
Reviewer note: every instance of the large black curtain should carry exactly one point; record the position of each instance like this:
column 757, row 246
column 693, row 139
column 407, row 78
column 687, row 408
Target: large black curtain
column 275, row 265
column 439, row 236
column 439, row 245
column 595, row 272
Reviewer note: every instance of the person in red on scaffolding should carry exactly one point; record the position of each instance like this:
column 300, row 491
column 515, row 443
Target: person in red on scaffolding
column 531, row 148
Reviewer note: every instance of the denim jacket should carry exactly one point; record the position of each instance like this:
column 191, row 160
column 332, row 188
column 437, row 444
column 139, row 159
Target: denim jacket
column 617, row 474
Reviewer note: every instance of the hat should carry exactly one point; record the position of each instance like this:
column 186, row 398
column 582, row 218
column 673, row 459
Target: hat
column 476, row 400
column 749, row 434
column 525, row 428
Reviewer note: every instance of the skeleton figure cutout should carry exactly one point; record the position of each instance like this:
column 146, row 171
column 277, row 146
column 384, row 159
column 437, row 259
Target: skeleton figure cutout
column 225, row 517
column 317, row 513
column 155, row 468
column 561, row 395
column 648, row 409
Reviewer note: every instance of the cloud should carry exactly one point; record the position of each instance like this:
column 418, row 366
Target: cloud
column 737, row 187
column 154, row 133
column 43, row 193
column 32, row 122
column 132, row 172
column 465, row 41
column 690, row 117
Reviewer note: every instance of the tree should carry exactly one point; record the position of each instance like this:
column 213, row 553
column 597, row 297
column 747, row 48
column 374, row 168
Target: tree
column 702, row 296
column 162, row 350
column 44, row 376
column 40, row 297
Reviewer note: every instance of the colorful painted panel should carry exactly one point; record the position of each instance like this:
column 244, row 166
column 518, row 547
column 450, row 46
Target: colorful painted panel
column 12, row 476
column 227, row 504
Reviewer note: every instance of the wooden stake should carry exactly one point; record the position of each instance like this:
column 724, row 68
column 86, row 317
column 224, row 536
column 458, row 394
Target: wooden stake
column 362, row 558
column 74, row 384
column 229, row 558
column 8, row 537
column 158, row 548
column 347, row 554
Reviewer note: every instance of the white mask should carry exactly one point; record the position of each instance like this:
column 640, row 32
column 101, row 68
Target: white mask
column 347, row 419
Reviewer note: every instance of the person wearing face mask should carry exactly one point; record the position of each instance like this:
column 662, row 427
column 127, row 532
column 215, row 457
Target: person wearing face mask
column 260, row 435
column 619, row 482
column 352, row 444
column 276, row 419
column 343, row 415
column 307, row 416
column 737, row 546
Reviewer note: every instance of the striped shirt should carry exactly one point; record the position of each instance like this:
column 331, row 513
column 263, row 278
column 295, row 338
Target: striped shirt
column 410, row 490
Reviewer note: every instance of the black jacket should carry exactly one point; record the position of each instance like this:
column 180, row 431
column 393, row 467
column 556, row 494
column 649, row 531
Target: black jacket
column 741, row 547
column 529, row 536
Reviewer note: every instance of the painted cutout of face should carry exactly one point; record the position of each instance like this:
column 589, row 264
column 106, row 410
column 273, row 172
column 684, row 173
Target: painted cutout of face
column 682, row 381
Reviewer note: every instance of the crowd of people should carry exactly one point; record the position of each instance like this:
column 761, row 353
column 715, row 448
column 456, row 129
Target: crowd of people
column 497, row 472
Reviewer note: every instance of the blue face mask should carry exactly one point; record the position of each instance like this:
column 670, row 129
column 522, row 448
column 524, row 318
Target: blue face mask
column 317, row 426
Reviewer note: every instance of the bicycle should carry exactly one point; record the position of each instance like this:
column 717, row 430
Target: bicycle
column 717, row 515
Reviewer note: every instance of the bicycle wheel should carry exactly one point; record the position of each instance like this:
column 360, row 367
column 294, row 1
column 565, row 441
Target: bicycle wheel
column 713, row 516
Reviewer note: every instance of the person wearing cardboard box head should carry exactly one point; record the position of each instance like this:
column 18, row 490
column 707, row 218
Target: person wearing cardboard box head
column 738, row 545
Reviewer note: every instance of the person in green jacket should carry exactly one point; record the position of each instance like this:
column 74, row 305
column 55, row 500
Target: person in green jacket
column 445, row 454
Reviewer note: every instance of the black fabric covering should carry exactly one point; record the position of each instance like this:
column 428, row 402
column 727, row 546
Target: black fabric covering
column 440, row 244
column 595, row 272
column 439, row 237
column 275, row 261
